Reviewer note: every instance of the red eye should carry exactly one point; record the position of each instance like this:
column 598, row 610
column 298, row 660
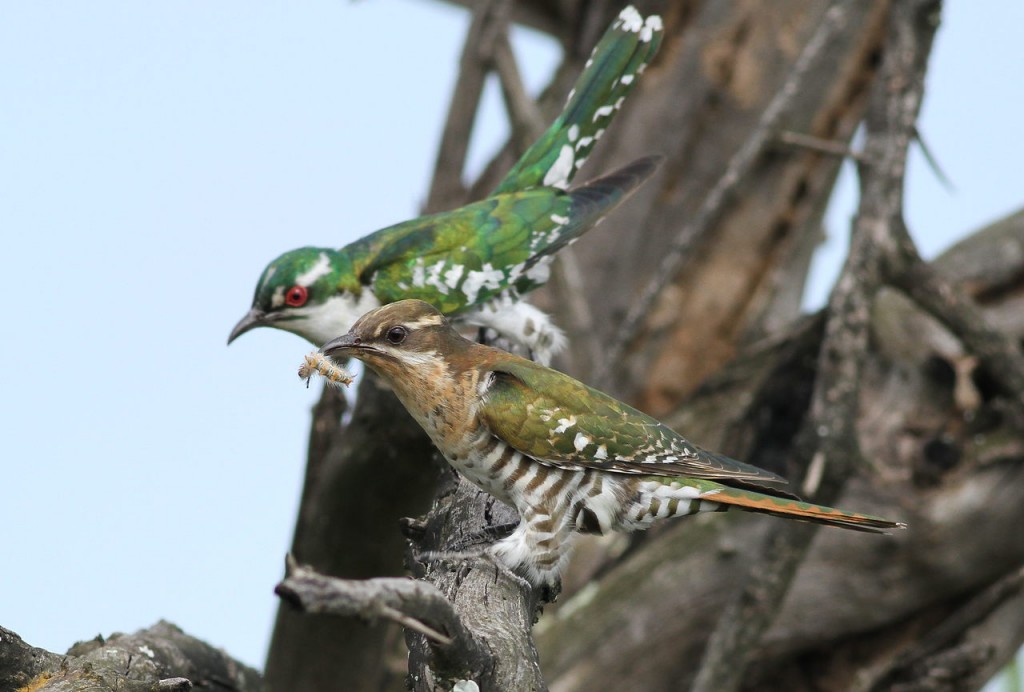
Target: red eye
column 296, row 296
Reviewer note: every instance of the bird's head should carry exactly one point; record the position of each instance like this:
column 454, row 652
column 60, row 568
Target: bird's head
column 402, row 341
column 302, row 291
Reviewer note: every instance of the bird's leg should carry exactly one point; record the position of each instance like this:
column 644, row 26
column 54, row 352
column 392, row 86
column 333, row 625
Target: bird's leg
column 485, row 536
column 521, row 323
column 495, row 532
column 480, row 555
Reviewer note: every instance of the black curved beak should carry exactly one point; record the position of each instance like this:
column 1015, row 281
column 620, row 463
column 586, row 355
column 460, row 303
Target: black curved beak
column 341, row 346
column 254, row 318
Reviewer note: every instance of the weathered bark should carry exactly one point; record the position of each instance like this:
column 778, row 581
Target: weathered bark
column 857, row 603
column 497, row 607
column 161, row 658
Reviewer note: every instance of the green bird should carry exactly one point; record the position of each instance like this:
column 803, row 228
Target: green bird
column 568, row 457
column 475, row 262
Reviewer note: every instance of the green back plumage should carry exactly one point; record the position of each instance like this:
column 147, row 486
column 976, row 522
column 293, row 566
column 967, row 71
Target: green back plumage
column 460, row 258
column 610, row 74
column 558, row 420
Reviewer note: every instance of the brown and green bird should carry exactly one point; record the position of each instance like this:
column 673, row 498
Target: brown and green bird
column 568, row 457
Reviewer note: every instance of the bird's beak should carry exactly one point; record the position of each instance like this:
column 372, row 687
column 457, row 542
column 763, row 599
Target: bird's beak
column 341, row 346
column 254, row 318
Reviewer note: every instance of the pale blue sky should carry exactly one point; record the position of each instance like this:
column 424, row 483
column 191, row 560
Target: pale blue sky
column 153, row 158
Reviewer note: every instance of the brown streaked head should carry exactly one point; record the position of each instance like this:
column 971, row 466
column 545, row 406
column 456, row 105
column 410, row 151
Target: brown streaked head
column 393, row 335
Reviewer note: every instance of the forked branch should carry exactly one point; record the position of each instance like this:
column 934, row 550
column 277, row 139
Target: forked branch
column 416, row 605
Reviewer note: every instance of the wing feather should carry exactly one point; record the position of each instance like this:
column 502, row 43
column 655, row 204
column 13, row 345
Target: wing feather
column 562, row 422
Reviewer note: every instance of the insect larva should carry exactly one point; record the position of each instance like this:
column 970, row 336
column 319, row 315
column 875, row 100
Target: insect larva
column 317, row 363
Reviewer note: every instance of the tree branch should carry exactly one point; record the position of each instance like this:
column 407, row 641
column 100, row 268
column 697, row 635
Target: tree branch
column 527, row 123
column 996, row 350
column 489, row 21
column 829, row 441
column 825, row 146
column 495, row 607
column 160, row 658
column 416, row 605
column 944, row 637
column 736, row 172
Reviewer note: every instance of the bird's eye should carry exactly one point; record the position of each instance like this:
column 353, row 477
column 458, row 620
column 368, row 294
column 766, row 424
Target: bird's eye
column 396, row 335
column 296, row 296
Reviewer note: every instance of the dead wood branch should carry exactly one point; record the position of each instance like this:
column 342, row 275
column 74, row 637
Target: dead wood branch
column 489, row 21
column 415, row 605
column 496, row 608
column 160, row 658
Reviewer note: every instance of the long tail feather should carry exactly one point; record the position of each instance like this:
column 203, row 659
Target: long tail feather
column 594, row 199
column 795, row 509
column 616, row 62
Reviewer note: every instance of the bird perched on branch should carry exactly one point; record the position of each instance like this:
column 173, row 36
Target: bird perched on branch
column 475, row 262
column 569, row 458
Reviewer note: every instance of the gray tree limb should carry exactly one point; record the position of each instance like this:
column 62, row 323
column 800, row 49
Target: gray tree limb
column 160, row 658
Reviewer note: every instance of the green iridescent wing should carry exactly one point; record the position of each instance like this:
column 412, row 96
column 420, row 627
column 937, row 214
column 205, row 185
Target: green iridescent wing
column 617, row 60
column 461, row 258
column 560, row 421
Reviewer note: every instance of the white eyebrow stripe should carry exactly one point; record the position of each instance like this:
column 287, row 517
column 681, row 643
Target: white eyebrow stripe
column 322, row 267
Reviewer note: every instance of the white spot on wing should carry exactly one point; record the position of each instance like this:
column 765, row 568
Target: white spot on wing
column 452, row 276
column 652, row 24
column 580, row 442
column 419, row 274
column 631, row 19
column 558, row 174
column 564, row 424
column 488, row 277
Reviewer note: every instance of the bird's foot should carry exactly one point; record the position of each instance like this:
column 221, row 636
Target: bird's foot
column 481, row 557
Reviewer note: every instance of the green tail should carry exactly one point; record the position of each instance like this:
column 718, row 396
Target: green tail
column 618, row 59
column 593, row 200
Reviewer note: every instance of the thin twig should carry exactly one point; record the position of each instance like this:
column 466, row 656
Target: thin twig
column 736, row 172
column 933, row 161
column 525, row 117
column 414, row 624
column 824, row 146
column 446, row 188
column 414, row 604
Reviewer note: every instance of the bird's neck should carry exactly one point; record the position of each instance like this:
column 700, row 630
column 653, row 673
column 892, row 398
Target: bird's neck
column 442, row 398
column 330, row 319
